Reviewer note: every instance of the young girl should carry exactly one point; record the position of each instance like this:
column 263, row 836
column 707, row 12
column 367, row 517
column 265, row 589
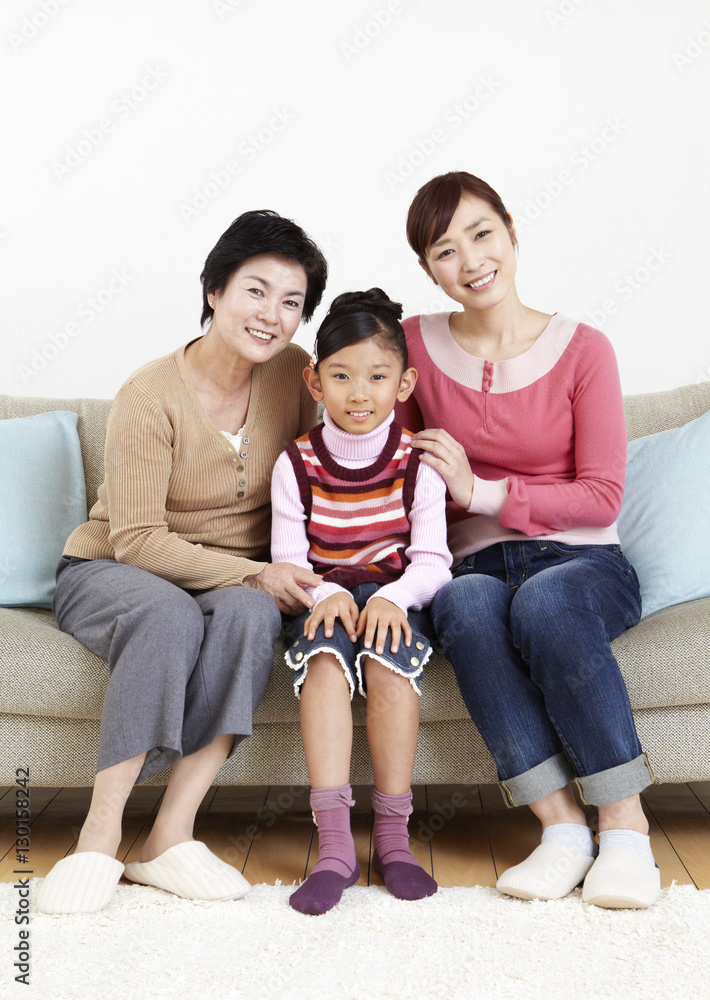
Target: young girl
column 352, row 502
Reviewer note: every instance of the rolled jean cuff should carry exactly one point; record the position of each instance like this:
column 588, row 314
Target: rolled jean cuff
column 539, row 781
column 616, row 783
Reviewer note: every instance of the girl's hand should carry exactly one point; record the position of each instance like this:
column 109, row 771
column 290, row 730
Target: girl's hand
column 376, row 617
column 340, row 606
column 447, row 456
column 283, row 582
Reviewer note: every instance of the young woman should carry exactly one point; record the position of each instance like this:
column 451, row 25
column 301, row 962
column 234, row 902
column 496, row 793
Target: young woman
column 168, row 580
column 352, row 502
column 529, row 435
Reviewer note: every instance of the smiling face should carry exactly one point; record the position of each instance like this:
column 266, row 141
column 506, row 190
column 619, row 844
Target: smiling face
column 259, row 310
column 474, row 260
column 360, row 385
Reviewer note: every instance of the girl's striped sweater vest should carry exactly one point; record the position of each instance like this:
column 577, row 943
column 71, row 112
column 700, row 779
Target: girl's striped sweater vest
column 357, row 519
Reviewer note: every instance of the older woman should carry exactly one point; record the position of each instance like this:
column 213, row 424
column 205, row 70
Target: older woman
column 169, row 579
column 531, row 442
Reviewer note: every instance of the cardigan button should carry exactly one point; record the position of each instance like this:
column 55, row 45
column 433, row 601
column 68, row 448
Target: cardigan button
column 240, row 494
column 245, row 440
column 414, row 660
column 419, row 645
column 243, row 454
column 242, row 482
column 240, row 468
column 299, row 656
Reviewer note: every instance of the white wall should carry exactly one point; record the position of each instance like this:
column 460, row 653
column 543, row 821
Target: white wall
column 588, row 116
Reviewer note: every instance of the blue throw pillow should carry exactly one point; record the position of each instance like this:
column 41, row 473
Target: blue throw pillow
column 664, row 525
column 42, row 500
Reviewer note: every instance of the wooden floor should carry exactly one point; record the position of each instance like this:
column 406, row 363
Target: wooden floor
column 463, row 834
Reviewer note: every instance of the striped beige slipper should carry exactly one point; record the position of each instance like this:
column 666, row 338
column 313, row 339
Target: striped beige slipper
column 622, row 880
column 80, row 883
column 190, row 870
column 550, row 872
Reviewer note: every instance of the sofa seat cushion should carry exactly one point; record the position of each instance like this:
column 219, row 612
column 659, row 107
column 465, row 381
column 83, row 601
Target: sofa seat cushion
column 664, row 659
column 440, row 699
column 44, row 672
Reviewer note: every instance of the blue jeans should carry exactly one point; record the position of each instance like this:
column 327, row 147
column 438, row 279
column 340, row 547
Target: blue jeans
column 527, row 626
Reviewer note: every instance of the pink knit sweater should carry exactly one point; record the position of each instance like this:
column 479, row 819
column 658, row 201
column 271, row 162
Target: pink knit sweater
column 544, row 432
column 429, row 558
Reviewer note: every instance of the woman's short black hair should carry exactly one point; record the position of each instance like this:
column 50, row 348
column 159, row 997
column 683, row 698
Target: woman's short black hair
column 255, row 233
column 356, row 316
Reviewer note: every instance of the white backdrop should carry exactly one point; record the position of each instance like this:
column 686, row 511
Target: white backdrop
column 138, row 129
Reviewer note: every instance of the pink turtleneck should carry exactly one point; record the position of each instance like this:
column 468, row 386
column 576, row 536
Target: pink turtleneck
column 429, row 558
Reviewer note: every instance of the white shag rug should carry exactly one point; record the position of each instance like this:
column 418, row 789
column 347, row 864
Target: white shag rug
column 461, row 943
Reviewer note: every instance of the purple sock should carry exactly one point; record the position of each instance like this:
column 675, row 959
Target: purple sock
column 390, row 834
column 403, row 875
column 337, row 866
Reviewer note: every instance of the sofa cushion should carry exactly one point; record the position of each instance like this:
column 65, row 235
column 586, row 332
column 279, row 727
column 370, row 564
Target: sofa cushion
column 663, row 524
column 42, row 500
column 92, row 414
column 651, row 412
column 44, row 672
column 664, row 659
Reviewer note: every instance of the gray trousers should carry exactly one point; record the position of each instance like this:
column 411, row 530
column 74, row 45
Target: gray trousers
column 185, row 666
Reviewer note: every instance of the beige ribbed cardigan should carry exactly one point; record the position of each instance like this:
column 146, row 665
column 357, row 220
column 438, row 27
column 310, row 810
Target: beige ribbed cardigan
column 178, row 500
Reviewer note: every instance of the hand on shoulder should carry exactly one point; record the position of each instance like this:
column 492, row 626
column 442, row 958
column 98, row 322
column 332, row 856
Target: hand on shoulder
column 445, row 454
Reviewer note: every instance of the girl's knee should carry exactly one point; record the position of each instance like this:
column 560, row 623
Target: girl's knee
column 324, row 669
column 385, row 687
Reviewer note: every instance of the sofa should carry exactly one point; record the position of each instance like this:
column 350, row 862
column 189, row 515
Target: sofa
column 52, row 688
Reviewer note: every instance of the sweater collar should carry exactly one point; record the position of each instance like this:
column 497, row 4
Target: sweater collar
column 355, row 447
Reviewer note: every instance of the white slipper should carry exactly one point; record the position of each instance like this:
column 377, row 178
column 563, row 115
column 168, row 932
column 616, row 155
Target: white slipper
column 622, row 880
column 80, row 883
column 192, row 871
column 550, row 872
